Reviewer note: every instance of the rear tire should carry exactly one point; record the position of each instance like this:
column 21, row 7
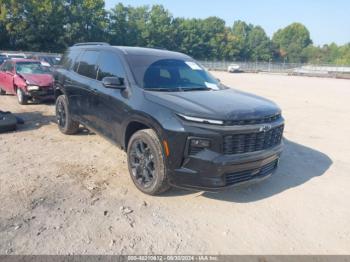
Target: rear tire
column 21, row 97
column 2, row 92
column 146, row 162
column 64, row 121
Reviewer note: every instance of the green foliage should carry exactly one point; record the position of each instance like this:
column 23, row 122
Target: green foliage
column 52, row 25
column 291, row 42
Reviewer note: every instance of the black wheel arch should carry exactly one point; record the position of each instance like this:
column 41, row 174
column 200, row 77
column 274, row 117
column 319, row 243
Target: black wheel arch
column 139, row 122
column 57, row 92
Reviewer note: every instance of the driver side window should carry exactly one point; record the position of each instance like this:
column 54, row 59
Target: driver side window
column 110, row 66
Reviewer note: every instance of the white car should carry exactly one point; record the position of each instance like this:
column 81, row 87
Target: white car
column 233, row 68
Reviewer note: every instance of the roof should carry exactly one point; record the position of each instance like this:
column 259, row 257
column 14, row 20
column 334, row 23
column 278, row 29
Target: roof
column 131, row 50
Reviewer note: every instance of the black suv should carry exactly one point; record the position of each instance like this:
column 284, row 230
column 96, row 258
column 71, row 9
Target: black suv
column 178, row 124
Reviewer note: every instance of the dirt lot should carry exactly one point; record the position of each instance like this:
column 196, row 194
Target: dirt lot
column 73, row 195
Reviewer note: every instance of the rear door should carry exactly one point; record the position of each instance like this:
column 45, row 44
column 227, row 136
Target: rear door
column 67, row 79
column 83, row 92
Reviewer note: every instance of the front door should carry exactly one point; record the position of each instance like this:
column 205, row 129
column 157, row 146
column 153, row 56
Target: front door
column 7, row 77
column 109, row 105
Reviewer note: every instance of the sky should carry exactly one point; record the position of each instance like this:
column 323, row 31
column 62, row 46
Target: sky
column 327, row 20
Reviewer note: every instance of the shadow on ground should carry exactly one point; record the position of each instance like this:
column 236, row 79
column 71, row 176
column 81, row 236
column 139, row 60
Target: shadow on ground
column 298, row 165
column 35, row 120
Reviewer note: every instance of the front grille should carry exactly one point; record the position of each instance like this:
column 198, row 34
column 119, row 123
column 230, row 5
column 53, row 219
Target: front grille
column 264, row 120
column 243, row 176
column 251, row 142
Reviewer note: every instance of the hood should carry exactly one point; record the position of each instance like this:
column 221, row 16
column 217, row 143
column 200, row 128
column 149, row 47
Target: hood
column 38, row 79
column 226, row 104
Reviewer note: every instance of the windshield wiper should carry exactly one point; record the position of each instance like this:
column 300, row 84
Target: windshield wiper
column 176, row 89
column 197, row 89
column 179, row 89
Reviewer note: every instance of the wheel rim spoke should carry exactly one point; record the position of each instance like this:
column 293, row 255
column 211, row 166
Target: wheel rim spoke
column 142, row 163
column 61, row 114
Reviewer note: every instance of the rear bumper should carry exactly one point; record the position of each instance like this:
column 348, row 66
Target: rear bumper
column 210, row 171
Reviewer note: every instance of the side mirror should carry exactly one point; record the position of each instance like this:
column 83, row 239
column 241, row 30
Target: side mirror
column 113, row 82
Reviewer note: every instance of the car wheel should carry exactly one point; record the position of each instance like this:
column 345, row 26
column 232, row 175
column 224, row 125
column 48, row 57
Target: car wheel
column 2, row 92
column 8, row 122
column 64, row 121
column 21, row 97
column 146, row 162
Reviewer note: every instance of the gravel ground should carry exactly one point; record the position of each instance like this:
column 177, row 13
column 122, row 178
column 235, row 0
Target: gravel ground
column 73, row 195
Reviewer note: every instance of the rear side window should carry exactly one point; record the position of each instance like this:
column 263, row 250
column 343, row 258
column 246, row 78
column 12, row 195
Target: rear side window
column 88, row 64
column 110, row 65
column 69, row 58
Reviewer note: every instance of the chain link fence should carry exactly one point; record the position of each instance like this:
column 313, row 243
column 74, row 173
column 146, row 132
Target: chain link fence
column 281, row 68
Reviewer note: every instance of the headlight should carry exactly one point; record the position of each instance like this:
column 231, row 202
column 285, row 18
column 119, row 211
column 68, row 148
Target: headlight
column 201, row 120
column 32, row 88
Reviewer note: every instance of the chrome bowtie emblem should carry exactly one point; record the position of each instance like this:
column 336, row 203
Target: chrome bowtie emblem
column 265, row 128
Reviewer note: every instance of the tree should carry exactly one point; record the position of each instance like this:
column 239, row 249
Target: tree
column 51, row 25
column 34, row 25
column 188, row 38
column 85, row 21
column 158, row 31
column 118, row 26
column 258, row 45
column 241, row 32
column 291, row 40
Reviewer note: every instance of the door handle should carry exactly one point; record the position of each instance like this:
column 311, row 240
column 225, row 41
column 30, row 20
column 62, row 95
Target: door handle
column 95, row 91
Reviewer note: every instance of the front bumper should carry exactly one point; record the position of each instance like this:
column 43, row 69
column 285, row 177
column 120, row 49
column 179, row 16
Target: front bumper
column 210, row 171
column 42, row 93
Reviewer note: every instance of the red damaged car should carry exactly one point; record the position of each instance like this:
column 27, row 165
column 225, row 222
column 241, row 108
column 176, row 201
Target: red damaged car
column 27, row 79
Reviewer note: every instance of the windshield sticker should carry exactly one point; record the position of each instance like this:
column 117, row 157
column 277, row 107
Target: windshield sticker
column 193, row 65
column 211, row 85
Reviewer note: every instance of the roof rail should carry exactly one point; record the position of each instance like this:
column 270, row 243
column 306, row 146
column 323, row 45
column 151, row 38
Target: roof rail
column 91, row 43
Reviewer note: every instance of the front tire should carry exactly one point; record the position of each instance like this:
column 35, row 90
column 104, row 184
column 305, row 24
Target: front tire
column 21, row 97
column 64, row 121
column 146, row 162
column 2, row 92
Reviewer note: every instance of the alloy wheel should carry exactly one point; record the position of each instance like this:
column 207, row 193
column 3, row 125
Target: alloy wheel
column 61, row 114
column 142, row 163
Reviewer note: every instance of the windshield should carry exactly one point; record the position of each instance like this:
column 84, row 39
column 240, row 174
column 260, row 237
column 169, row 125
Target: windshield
column 49, row 59
column 31, row 68
column 154, row 73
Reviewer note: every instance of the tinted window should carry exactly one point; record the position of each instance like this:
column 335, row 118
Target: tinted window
column 69, row 58
column 110, row 65
column 152, row 72
column 88, row 64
